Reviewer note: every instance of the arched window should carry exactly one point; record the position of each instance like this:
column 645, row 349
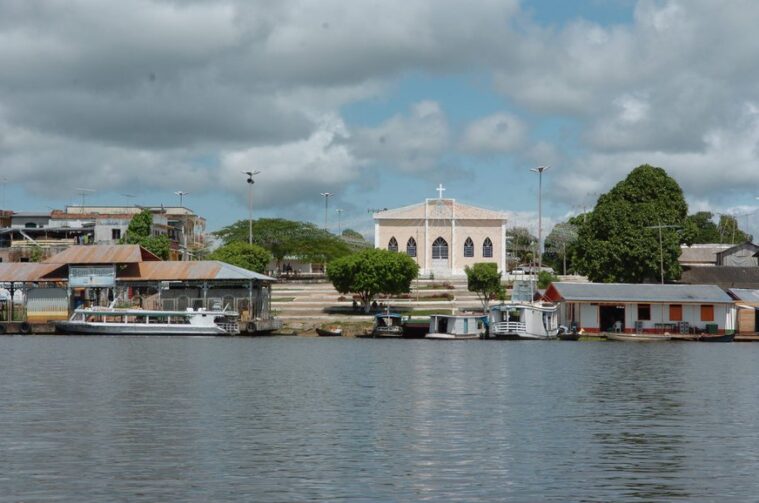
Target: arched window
column 393, row 244
column 411, row 247
column 469, row 247
column 440, row 249
column 487, row 248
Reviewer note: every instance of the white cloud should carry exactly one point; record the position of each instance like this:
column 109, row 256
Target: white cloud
column 497, row 133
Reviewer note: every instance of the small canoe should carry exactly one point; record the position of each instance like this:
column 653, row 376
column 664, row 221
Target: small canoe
column 336, row 332
column 638, row 337
column 716, row 338
column 569, row 336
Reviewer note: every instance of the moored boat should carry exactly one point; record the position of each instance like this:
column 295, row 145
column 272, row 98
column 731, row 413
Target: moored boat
column 415, row 328
column 717, row 338
column 117, row 321
column 457, row 327
column 638, row 337
column 388, row 325
column 333, row 332
column 524, row 320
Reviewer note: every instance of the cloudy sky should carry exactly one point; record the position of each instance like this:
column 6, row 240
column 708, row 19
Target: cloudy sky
column 375, row 101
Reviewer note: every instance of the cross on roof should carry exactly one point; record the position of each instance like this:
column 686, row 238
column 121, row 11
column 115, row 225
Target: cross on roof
column 440, row 189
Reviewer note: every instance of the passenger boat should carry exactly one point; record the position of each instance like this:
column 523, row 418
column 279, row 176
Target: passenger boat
column 638, row 337
column 458, row 327
column 335, row 332
column 117, row 321
column 716, row 338
column 524, row 320
column 415, row 328
column 388, row 325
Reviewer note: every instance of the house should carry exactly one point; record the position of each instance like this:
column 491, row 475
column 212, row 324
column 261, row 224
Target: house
column 741, row 255
column 724, row 277
column 701, row 255
column 637, row 308
column 747, row 302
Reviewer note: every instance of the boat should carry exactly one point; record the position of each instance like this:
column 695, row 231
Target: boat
column 335, row 332
column 524, row 320
column 118, row 321
column 568, row 335
column 716, row 337
column 457, row 327
column 388, row 325
column 415, row 328
column 638, row 337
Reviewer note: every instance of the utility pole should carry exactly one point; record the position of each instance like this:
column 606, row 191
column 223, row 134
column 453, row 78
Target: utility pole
column 326, row 196
column 539, row 170
column 339, row 221
column 250, row 175
column 661, row 245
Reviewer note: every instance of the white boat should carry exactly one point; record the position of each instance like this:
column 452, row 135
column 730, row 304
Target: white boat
column 388, row 325
column 638, row 337
column 524, row 320
column 460, row 327
column 115, row 321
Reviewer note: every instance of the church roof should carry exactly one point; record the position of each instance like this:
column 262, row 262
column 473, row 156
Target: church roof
column 440, row 208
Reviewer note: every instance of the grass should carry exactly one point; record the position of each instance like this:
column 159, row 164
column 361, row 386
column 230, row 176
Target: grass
column 428, row 312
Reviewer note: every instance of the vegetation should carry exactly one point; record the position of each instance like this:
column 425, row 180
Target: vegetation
column 288, row 238
column 251, row 257
column 701, row 228
column 558, row 245
column 521, row 244
column 484, row 279
column 616, row 242
column 545, row 278
column 139, row 233
column 371, row 272
column 37, row 254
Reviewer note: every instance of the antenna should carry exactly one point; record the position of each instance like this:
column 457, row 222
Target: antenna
column 181, row 195
column 83, row 193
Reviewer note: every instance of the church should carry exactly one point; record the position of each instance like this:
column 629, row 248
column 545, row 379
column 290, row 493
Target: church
column 443, row 235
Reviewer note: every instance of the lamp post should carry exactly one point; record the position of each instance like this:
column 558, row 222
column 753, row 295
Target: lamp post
column 661, row 246
column 539, row 170
column 326, row 196
column 339, row 212
column 250, row 175
column 181, row 195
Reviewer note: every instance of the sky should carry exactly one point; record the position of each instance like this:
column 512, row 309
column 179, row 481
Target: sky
column 377, row 102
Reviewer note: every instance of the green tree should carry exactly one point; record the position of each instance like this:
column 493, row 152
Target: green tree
column 616, row 242
column 484, row 279
column 558, row 246
column 545, row 278
column 700, row 228
column 351, row 234
column 139, row 233
column 729, row 231
column 288, row 238
column 251, row 257
column 521, row 244
column 371, row 272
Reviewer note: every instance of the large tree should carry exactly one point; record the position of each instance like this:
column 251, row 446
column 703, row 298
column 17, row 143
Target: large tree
column 139, row 233
column 251, row 257
column 558, row 245
column 288, row 238
column 617, row 241
column 521, row 244
column 371, row 272
column 729, row 231
column 484, row 279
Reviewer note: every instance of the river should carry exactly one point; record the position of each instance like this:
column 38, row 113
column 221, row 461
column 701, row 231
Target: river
column 91, row 419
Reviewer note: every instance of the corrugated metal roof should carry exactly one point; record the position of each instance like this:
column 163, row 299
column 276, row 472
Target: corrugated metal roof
column 185, row 271
column 701, row 254
column 25, row 271
column 623, row 292
column 745, row 294
column 102, row 254
column 722, row 276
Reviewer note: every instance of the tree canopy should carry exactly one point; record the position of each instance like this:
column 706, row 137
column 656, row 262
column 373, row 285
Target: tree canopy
column 484, row 279
column 372, row 271
column 616, row 242
column 558, row 245
column 287, row 238
column 251, row 257
column 139, row 233
column 521, row 244
column 701, row 228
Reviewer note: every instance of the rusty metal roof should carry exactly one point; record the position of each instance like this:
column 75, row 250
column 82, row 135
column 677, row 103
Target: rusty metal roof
column 102, row 254
column 27, row 272
column 187, row 271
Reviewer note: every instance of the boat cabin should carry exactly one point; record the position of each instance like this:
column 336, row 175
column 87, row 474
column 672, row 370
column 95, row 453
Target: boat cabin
column 443, row 326
column 524, row 320
column 388, row 325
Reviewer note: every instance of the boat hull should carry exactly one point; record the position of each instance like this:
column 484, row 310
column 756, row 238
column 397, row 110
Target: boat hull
column 717, row 338
column 452, row 337
column 328, row 333
column 638, row 338
column 89, row 328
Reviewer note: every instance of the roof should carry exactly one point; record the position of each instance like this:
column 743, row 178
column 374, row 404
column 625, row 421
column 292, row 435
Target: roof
column 701, row 253
column 26, row 271
column 187, row 271
column 102, row 254
column 744, row 294
column 440, row 208
column 625, row 292
column 723, row 276
column 741, row 246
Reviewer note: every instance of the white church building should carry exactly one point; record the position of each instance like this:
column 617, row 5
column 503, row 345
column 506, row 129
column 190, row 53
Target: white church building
column 443, row 235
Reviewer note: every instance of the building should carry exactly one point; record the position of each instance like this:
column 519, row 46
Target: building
column 443, row 235
column 131, row 275
column 701, row 255
column 724, row 265
column 747, row 302
column 640, row 308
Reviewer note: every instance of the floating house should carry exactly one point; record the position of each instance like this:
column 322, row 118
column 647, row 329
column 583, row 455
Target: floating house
column 643, row 308
column 747, row 302
column 131, row 275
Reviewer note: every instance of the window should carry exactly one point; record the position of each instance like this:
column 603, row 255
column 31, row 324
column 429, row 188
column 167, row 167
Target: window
column 675, row 312
column 644, row 312
column 115, row 234
column 440, row 249
column 393, row 245
column 30, row 225
column 469, row 247
column 411, row 247
column 707, row 313
column 487, row 248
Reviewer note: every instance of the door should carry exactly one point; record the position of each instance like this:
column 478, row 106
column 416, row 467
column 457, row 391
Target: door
column 612, row 318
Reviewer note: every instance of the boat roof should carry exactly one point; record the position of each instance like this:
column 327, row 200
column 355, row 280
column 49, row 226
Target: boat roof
column 458, row 316
column 147, row 312
column 387, row 315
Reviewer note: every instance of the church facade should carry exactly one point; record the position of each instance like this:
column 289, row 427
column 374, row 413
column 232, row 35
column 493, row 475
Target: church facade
column 443, row 236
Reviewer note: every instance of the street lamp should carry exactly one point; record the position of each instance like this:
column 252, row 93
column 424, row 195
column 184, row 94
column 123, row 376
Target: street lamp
column 250, row 175
column 339, row 222
column 181, row 195
column 539, row 170
column 326, row 196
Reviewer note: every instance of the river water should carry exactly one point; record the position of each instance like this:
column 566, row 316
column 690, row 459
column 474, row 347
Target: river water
column 303, row 419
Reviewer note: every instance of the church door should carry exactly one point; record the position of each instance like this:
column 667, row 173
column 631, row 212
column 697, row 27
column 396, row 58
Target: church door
column 440, row 257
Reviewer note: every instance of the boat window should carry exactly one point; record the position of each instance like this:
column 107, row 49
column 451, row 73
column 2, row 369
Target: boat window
column 469, row 247
column 487, row 248
column 393, row 245
column 440, row 249
column 411, row 247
